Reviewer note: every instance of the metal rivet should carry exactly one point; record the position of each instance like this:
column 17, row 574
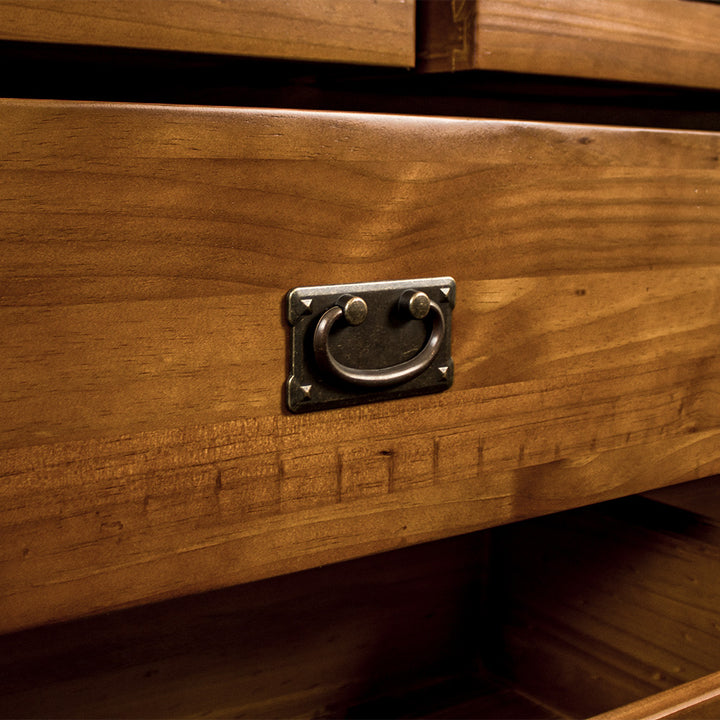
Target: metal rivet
column 305, row 390
column 419, row 305
column 443, row 371
column 306, row 305
column 416, row 302
column 354, row 309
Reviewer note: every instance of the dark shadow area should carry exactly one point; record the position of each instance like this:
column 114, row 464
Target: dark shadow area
column 38, row 70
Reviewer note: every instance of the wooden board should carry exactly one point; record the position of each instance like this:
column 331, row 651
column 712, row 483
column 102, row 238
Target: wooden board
column 144, row 256
column 699, row 699
column 377, row 32
column 651, row 41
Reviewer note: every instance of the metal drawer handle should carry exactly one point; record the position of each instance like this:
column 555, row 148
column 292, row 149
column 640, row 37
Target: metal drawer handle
column 354, row 310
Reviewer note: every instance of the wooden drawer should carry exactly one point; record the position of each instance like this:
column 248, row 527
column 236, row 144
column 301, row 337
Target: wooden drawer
column 605, row 609
column 145, row 252
column 381, row 32
column 649, row 41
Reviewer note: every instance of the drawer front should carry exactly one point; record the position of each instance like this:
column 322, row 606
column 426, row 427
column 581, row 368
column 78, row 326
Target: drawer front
column 377, row 32
column 145, row 255
column 651, row 41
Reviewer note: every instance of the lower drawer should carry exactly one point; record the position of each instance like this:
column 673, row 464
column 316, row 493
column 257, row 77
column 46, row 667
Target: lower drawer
column 611, row 609
column 145, row 252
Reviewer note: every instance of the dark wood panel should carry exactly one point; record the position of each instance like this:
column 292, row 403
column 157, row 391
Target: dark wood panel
column 649, row 41
column 145, row 255
column 610, row 605
column 313, row 644
column 379, row 32
column 700, row 497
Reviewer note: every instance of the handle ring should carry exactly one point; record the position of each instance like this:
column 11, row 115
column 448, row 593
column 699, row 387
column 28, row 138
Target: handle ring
column 376, row 377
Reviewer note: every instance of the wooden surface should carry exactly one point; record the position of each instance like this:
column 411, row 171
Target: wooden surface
column 377, row 32
column 312, row 644
column 145, row 254
column 699, row 699
column 651, row 41
column 610, row 605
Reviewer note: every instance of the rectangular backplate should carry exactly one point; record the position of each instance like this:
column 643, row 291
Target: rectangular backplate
column 386, row 338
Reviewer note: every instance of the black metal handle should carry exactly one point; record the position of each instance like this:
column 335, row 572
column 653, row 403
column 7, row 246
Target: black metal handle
column 354, row 310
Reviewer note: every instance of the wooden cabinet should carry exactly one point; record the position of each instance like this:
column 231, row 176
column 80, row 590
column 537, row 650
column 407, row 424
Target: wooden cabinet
column 149, row 466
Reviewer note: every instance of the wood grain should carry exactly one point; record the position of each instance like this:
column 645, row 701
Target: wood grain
column 610, row 605
column 699, row 699
column 145, row 254
column 651, row 41
column 380, row 32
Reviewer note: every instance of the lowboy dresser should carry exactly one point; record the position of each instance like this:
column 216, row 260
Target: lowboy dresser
column 539, row 539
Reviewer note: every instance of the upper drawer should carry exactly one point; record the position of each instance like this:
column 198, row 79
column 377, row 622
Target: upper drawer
column 145, row 253
column 652, row 41
column 375, row 32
